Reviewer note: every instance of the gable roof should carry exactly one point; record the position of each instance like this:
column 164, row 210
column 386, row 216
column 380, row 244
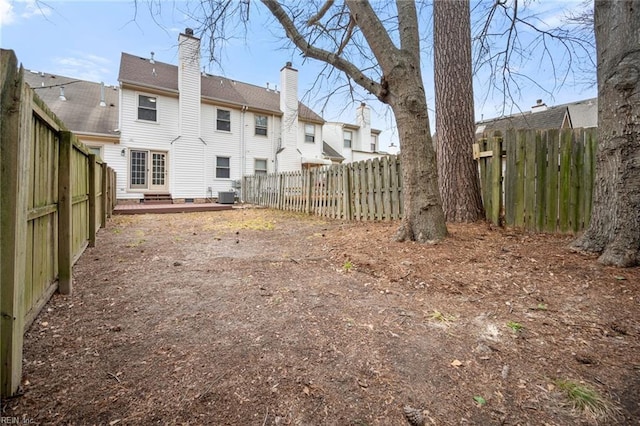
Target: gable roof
column 141, row 72
column 552, row 118
column 81, row 111
column 573, row 115
column 331, row 153
column 584, row 113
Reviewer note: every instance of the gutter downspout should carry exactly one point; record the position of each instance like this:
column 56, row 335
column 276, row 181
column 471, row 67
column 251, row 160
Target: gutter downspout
column 275, row 147
column 243, row 150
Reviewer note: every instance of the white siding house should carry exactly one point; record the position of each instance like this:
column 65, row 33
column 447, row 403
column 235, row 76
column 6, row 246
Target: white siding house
column 189, row 135
column 352, row 142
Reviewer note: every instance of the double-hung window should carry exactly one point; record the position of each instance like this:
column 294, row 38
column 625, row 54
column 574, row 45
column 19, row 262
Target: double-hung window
column 309, row 133
column 261, row 125
column 147, row 108
column 223, row 120
column 374, row 143
column 260, row 166
column 347, row 135
column 223, row 167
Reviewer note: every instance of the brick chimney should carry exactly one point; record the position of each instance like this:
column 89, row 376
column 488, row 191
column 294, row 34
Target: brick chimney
column 289, row 157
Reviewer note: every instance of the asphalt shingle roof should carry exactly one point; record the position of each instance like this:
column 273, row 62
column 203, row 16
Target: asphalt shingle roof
column 580, row 114
column 552, row 118
column 331, row 153
column 140, row 71
column 81, row 111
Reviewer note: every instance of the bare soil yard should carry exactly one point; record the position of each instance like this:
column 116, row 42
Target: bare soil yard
column 259, row 317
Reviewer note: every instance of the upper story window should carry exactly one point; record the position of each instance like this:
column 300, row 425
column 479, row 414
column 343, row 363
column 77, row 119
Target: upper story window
column 310, row 133
column 347, row 136
column 147, row 108
column 374, row 143
column 261, row 125
column 223, row 121
column 260, row 166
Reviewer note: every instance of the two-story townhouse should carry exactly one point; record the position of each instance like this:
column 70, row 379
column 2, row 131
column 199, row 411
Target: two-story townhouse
column 193, row 135
column 344, row 142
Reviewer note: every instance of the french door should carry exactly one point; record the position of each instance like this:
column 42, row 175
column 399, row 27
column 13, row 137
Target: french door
column 148, row 170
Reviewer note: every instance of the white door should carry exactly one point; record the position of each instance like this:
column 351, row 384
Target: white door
column 158, row 171
column 148, row 170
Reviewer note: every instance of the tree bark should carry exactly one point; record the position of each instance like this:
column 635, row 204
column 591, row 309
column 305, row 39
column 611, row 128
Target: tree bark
column 614, row 230
column 423, row 218
column 401, row 87
column 455, row 125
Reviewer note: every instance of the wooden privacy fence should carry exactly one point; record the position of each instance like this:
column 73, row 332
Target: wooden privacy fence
column 54, row 197
column 541, row 180
column 366, row 190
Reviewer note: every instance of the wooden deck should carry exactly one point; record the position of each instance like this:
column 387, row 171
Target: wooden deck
column 169, row 208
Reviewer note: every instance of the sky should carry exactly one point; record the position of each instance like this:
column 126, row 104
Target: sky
column 84, row 39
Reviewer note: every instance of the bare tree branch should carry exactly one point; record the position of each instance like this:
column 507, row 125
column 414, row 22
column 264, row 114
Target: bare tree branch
column 407, row 24
column 320, row 54
column 374, row 32
column 509, row 38
column 323, row 10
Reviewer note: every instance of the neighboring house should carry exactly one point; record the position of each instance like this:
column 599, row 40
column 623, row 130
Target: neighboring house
column 571, row 115
column 348, row 143
column 88, row 109
column 193, row 135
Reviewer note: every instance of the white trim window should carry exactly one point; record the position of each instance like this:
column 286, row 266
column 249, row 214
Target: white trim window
column 374, row 143
column 310, row 133
column 97, row 150
column 261, row 125
column 260, row 166
column 223, row 120
column 347, row 137
column 147, row 108
column 223, row 167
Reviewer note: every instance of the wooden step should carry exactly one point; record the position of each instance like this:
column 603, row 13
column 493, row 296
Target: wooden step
column 157, row 198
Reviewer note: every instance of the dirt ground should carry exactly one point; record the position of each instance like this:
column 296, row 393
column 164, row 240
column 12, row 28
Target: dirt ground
column 259, row 317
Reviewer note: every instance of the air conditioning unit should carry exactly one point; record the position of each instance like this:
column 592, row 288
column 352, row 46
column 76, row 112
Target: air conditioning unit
column 226, row 197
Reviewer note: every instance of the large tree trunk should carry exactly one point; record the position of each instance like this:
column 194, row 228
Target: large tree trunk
column 423, row 218
column 401, row 87
column 614, row 230
column 455, row 124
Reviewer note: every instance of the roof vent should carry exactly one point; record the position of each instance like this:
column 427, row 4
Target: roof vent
column 62, row 97
column 289, row 64
column 188, row 31
column 267, row 86
column 152, row 61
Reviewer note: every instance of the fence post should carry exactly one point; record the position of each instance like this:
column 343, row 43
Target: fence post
column 106, row 195
column 93, row 205
column 65, row 226
column 15, row 138
column 346, row 190
column 309, row 190
column 496, row 180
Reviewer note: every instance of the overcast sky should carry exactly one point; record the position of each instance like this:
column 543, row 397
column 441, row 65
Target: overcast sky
column 84, row 39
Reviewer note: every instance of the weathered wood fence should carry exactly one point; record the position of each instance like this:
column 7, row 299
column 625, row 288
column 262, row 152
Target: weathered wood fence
column 366, row 190
column 540, row 180
column 54, row 197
